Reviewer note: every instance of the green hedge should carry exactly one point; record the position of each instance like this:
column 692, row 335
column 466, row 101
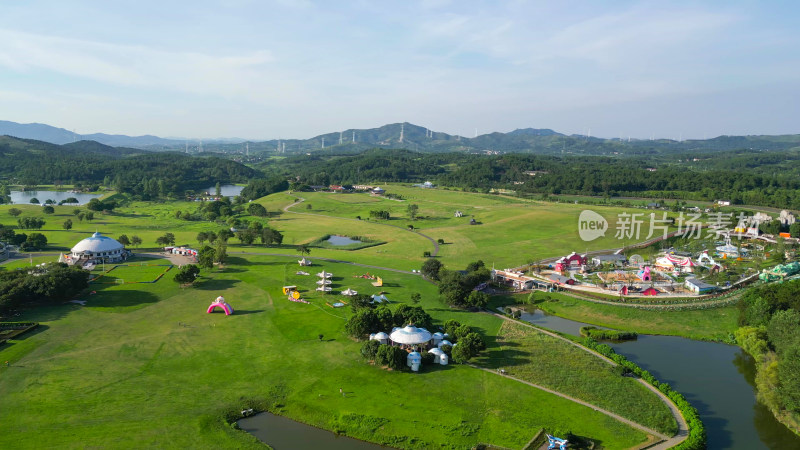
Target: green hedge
column 609, row 335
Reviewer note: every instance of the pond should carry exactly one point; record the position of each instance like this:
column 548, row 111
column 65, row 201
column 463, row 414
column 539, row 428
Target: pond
column 24, row 197
column 227, row 190
column 718, row 379
column 341, row 240
column 282, row 433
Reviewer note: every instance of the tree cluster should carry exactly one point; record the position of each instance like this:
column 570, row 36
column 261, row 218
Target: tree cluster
column 55, row 282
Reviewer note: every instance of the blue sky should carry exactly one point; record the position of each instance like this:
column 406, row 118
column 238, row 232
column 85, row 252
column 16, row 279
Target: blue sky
column 284, row 68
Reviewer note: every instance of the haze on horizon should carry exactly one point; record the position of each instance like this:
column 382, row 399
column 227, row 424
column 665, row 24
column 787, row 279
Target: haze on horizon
column 298, row 68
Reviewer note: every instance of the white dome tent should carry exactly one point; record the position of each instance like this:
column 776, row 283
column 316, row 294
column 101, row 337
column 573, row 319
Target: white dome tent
column 381, row 337
column 410, row 335
column 349, row 292
column 97, row 249
column 437, row 337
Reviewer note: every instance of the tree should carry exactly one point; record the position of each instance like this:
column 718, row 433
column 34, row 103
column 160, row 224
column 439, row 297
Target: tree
column 468, row 347
column 187, row 274
column 123, row 239
column 431, row 268
column 67, row 225
column 218, row 190
column 71, row 200
column 34, row 201
column 136, row 240
column 782, row 330
column 224, row 234
column 221, row 252
column 212, row 237
column 390, row 356
column 35, row 241
column 246, row 237
column 76, row 211
column 303, row 249
column 360, row 324
column 369, row 349
column 166, row 239
column 452, row 288
column 89, row 215
column 416, row 297
column 412, row 211
column 361, row 301
column 440, row 241
column 202, row 237
column 14, row 211
column 794, row 229
column 450, row 327
column 270, row 236
column 205, row 257
column 477, row 299
column 789, row 376
column 255, row 209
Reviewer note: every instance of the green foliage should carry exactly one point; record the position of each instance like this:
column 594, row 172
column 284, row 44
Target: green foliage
column 48, row 209
column 783, row 330
column 187, row 274
column 205, row 257
column 468, row 347
column 123, row 239
column 450, row 327
column 415, row 315
column 789, row 377
column 477, row 299
column 99, row 205
column 431, row 268
column 370, row 349
column 392, row 357
column 35, row 241
column 270, row 236
column 412, row 211
column 166, row 239
column 262, row 187
column 31, row 223
column 221, row 251
column 255, row 209
column 600, row 334
column 14, row 211
column 67, row 224
column 360, row 324
column 361, row 301
column 136, row 240
column 56, row 282
column 379, row 214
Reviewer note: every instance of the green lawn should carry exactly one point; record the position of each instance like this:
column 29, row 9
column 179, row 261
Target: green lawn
column 705, row 324
column 545, row 360
column 156, row 370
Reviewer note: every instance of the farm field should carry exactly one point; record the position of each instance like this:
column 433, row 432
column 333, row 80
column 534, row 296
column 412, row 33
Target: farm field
column 160, row 372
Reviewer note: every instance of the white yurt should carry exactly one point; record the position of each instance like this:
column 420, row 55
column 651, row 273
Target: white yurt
column 410, row 335
column 413, row 360
column 381, row 337
column 304, row 262
column 437, row 337
column 324, row 274
column 98, row 248
column 437, row 355
column 444, row 342
column 349, row 292
column 444, row 359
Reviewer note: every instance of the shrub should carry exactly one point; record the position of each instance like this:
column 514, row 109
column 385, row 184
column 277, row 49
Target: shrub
column 370, row 349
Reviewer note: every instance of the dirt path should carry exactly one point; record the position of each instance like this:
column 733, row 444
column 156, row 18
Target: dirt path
column 667, row 442
column 301, row 200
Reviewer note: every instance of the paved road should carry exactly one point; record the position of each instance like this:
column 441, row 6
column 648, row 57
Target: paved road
column 433, row 241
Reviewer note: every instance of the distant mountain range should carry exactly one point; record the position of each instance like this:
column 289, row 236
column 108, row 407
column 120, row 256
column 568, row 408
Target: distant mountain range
column 417, row 138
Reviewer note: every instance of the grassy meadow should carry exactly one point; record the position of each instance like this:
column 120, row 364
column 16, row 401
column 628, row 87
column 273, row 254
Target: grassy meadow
column 158, row 373
column 142, row 364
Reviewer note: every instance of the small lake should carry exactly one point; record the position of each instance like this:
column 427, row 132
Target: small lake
column 341, row 240
column 24, row 197
column 718, row 379
column 227, row 190
column 282, row 433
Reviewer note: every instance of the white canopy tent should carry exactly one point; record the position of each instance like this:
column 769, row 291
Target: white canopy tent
column 349, row 292
column 410, row 335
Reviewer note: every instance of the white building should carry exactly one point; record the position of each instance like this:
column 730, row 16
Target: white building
column 97, row 249
column 787, row 218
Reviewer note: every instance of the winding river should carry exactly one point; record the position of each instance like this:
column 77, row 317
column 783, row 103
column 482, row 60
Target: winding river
column 718, row 379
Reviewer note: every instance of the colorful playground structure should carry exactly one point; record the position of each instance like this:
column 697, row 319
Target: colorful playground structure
column 556, row 443
column 220, row 302
column 779, row 272
column 644, row 274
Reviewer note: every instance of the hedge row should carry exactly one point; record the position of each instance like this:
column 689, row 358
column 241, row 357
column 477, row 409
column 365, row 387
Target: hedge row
column 603, row 334
column 697, row 432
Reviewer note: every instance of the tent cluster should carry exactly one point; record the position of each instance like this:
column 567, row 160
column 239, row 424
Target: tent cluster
column 412, row 338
